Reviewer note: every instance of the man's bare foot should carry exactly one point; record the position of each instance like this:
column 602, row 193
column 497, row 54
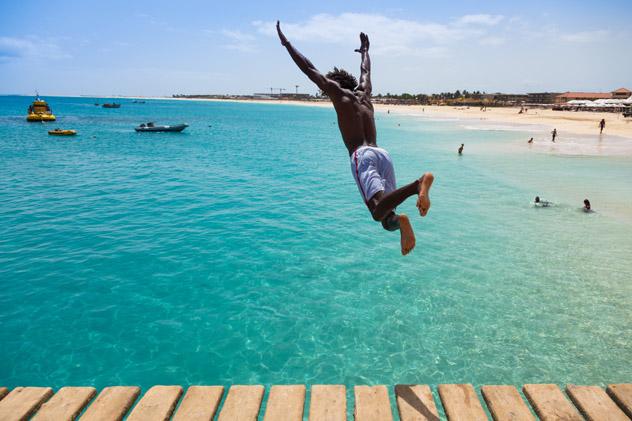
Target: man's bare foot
column 423, row 201
column 407, row 234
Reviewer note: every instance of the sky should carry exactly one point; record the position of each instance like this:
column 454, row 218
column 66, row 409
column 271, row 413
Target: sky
column 157, row 48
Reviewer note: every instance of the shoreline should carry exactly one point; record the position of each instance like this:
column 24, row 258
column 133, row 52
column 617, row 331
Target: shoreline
column 578, row 131
column 583, row 123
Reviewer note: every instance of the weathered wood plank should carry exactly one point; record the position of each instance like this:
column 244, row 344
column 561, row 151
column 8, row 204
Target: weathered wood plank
column 415, row 403
column 461, row 403
column 242, row 403
column 328, row 403
column 66, row 404
column 200, row 403
column 3, row 392
column 593, row 402
column 112, row 404
column 157, row 404
column 622, row 395
column 549, row 403
column 372, row 403
column 285, row 403
column 22, row 402
column 506, row 404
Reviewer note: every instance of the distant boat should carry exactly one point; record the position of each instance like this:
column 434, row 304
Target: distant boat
column 138, row 102
column 111, row 105
column 40, row 111
column 60, row 132
column 151, row 127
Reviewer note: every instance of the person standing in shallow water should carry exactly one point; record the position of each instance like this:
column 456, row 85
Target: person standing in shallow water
column 461, row 149
column 553, row 135
column 602, row 125
column 371, row 166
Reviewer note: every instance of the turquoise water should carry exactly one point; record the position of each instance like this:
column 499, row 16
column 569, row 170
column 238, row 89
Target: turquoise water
column 242, row 253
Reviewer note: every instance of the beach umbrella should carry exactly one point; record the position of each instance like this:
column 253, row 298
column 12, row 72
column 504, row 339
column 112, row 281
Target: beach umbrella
column 579, row 102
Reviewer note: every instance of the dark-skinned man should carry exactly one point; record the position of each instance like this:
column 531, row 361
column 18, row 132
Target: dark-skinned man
column 371, row 166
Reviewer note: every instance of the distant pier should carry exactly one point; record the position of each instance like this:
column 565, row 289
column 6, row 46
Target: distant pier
column 326, row 403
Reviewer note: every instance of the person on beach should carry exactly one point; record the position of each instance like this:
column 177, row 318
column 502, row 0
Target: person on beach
column 602, row 125
column 587, row 207
column 554, row 135
column 461, row 149
column 371, row 166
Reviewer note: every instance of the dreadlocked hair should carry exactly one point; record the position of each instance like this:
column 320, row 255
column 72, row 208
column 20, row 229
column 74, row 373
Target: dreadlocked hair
column 345, row 79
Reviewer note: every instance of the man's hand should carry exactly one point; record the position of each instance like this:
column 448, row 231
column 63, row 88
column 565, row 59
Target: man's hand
column 364, row 43
column 284, row 40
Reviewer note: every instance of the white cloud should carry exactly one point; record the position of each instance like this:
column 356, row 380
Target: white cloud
column 29, row 47
column 480, row 19
column 238, row 41
column 585, row 36
column 395, row 36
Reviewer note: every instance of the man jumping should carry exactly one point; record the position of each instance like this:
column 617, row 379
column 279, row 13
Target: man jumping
column 371, row 166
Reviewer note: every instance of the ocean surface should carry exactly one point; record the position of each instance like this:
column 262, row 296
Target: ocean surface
column 240, row 251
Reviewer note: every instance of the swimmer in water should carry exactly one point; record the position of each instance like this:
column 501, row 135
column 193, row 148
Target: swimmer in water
column 587, row 207
column 530, row 140
column 539, row 202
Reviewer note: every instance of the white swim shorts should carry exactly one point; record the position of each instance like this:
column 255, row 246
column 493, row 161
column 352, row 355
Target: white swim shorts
column 373, row 171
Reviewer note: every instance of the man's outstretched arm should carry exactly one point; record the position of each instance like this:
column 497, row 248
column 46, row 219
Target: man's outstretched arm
column 365, row 65
column 326, row 85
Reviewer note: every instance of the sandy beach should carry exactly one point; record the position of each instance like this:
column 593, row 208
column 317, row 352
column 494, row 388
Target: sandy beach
column 580, row 123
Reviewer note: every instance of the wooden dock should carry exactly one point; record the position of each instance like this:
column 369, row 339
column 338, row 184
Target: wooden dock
column 326, row 403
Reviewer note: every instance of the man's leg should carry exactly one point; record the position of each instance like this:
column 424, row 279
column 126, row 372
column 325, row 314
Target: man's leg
column 381, row 205
column 394, row 222
column 382, row 209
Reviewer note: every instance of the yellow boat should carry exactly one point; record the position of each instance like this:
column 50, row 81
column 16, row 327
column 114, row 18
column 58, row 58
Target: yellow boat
column 60, row 132
column 40, row 111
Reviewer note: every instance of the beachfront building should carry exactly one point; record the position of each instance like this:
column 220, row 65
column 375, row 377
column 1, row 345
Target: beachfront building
column 581, row 96
column 542, row 97
column 505, row 99
column 284, row 96
column 621, row 93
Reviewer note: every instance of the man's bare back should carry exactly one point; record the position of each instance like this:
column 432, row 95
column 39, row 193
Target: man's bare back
column 373, row 170
column 355, row 120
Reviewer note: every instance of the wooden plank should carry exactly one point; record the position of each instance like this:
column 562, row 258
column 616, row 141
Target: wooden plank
column 66, row 404
column 593, row 402
column 622, row 395
column 549, row 403
column 328, row 403
column 157, row 404
column 506, row 404
column 3, row 392
column 112, row 404
column 242, row 403
column 415, row 403
column 285, row 403
column 200, row 403
column 461, row 403
column 372, row 403
column 22, row 402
